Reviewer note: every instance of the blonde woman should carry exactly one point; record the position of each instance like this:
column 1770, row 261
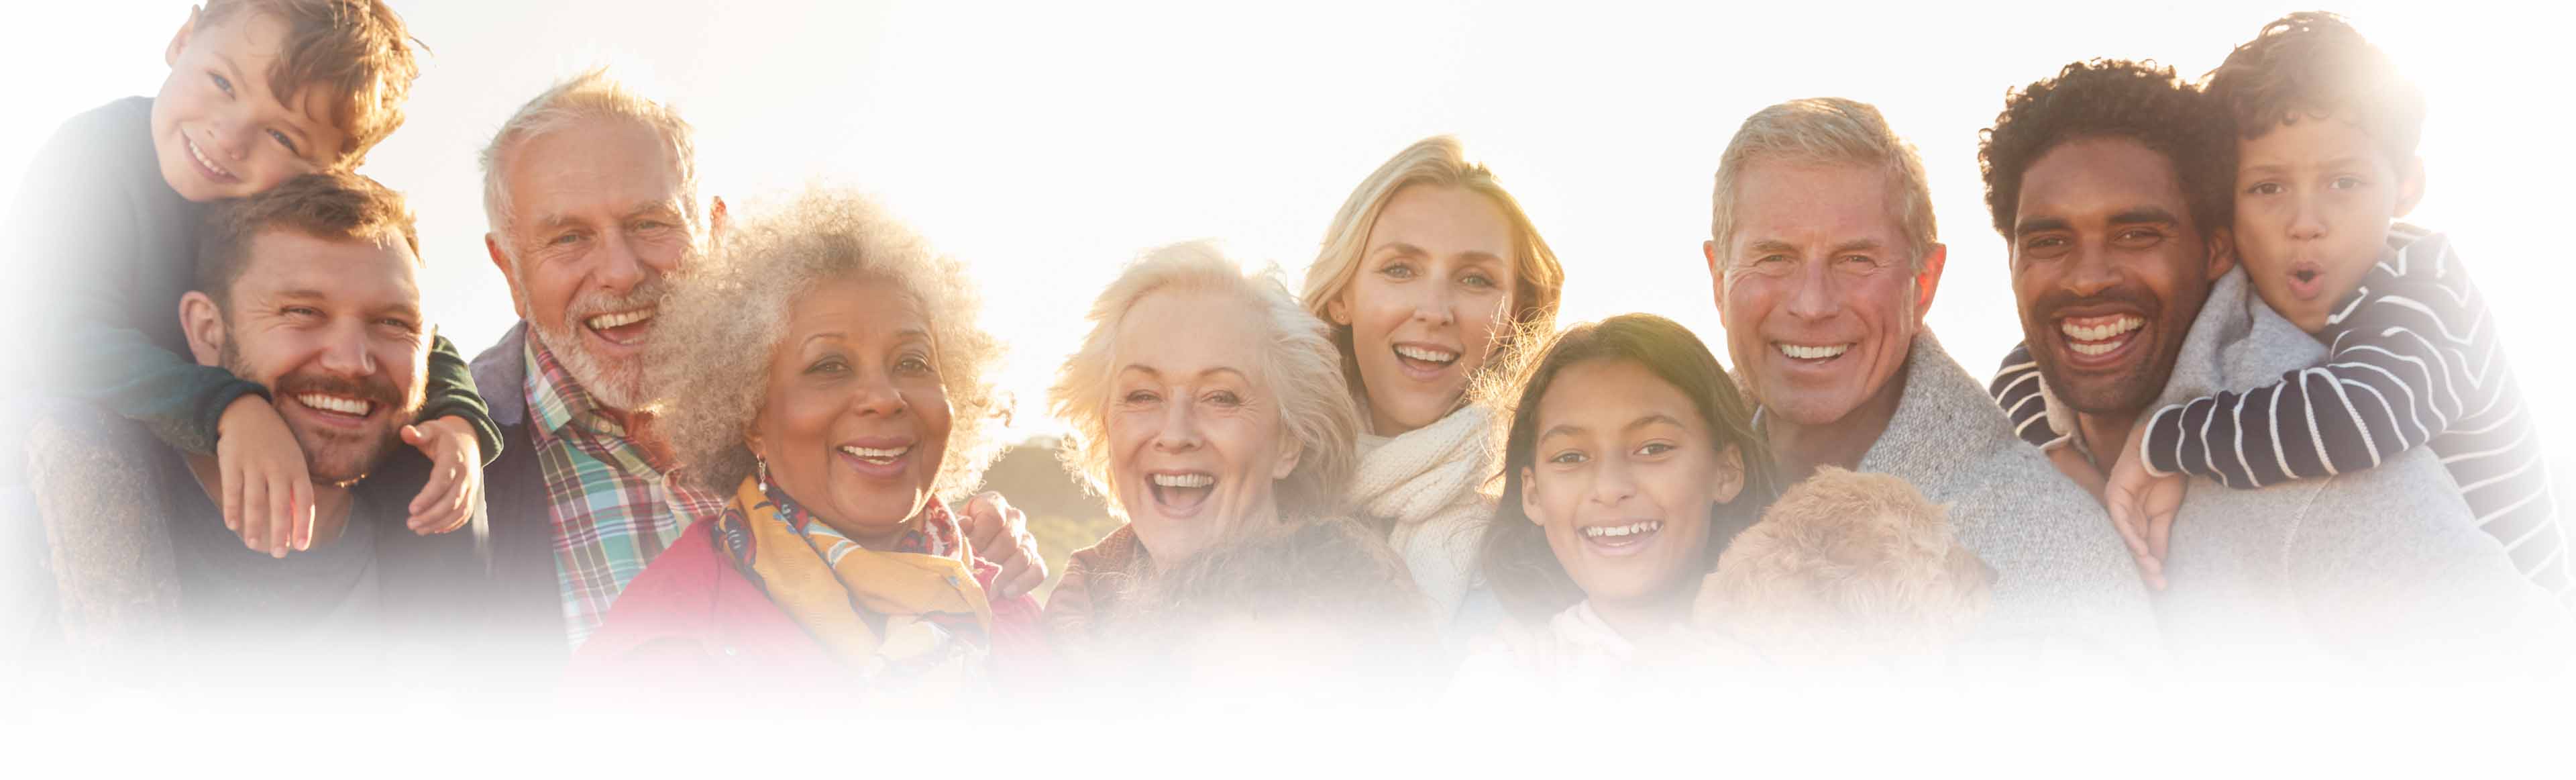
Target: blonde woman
column 1428, row 275
column 1203, row 404
column 829, row 379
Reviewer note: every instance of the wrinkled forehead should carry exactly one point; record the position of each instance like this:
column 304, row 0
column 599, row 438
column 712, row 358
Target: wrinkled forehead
column 592, row 169
column 1181, row 331
column 1816, row 206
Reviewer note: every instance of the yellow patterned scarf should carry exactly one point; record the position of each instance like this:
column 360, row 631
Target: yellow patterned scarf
column 912, row 612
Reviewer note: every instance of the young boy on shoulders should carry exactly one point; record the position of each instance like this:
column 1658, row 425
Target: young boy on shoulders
column 259, row 91
column 2326, row 164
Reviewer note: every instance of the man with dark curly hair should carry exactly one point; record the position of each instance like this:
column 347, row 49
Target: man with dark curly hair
column 2110, row 183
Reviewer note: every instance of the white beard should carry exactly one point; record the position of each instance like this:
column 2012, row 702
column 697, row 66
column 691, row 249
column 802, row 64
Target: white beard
column 618, row 386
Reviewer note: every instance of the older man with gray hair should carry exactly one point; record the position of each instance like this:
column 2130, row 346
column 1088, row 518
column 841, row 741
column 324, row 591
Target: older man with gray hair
column 1824, row 257
column 592, row 195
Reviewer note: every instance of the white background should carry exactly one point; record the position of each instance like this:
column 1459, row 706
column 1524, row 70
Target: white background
column 1048, row 143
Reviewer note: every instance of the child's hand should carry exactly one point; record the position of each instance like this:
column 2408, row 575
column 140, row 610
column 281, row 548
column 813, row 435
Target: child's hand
column 267, row 494
column 999, row 534
column 2143, row 506
column 455, row 475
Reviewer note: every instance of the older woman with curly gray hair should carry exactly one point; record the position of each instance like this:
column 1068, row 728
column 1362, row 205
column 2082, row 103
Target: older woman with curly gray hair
column 1204, row 401
column 828, row 374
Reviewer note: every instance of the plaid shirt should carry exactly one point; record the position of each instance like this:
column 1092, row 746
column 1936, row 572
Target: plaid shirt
column 614, row 505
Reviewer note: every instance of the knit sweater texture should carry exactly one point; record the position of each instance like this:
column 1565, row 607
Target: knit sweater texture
column 2066, row 584
column 1427, row 483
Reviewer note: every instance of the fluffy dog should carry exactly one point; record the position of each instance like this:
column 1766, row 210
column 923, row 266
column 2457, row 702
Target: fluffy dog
column 1846, row 564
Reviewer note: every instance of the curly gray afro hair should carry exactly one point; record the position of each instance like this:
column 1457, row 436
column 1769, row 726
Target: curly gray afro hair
column 723, row 322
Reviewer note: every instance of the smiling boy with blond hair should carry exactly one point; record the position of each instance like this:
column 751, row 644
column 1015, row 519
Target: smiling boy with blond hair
column 259, row 92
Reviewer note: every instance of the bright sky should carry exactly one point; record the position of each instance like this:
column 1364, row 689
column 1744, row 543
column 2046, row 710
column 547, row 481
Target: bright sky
column 1046, row 143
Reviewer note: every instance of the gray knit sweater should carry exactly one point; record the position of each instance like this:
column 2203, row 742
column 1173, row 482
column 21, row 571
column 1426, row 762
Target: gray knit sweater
column 2370, row 566
column 2065, row 579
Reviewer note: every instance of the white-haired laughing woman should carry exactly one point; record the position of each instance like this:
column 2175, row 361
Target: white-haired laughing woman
column 1202, row 403
column 829, row 376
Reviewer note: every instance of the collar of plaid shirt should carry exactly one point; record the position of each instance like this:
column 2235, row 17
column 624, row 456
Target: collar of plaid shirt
column 615, row 505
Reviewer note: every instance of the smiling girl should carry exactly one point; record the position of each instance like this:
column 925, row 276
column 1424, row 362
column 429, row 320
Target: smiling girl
column 1426, row 275
column 1630, row 463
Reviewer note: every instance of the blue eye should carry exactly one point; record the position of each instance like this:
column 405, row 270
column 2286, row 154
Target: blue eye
column 222, row 83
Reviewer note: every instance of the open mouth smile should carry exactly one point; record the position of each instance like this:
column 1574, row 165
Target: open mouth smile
column 625, row 328
column 1620, row 538
column 2101, row 339
column 884, row 459
column 206, row 164
column 1811, row 353
column 1180, row 493
column 337, row 410
column 1422, row 361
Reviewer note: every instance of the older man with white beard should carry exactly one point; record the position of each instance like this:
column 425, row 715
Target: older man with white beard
column 1824, row 256
column 592, row 196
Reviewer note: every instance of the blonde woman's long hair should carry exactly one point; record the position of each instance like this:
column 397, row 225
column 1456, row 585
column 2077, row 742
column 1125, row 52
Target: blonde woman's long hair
column 1538, row 281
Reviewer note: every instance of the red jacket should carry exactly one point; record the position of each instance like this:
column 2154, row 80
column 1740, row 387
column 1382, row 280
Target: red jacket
column 693, row 621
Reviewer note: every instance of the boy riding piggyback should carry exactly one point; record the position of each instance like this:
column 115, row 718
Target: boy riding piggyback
column 105, row 235
column 2325, row 164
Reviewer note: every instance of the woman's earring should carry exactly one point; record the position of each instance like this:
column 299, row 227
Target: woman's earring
column 761, row 465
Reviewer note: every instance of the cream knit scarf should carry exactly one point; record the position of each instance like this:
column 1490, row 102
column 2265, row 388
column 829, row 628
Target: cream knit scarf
column 1428, row 482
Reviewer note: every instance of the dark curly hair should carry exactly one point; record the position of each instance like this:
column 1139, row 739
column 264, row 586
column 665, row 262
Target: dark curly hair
column 2314, row 64
column 2116, row 98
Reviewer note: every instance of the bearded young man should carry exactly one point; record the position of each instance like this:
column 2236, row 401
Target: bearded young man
column 312, row 291
column 2110, row 184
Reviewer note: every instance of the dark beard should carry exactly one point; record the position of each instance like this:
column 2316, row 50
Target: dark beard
column 2128, row 389
column 335, row 458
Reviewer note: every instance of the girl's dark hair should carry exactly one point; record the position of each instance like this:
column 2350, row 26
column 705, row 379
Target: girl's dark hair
column 1517, row 562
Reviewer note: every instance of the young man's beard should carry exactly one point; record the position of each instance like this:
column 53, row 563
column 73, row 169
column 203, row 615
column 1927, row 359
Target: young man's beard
column 336, row 458
column 2136, row 384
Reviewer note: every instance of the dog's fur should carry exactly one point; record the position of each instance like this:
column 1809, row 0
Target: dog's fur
column 1846, row 564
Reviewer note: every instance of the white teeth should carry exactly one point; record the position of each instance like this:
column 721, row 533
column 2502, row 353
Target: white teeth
column 1639, row 527
column 1183, row 480
column 1432, row 355
column 332, row 403
column 620, row 319
column 202, row 159
column 867, row 452
column 2099, row 332
column 1804, row 352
